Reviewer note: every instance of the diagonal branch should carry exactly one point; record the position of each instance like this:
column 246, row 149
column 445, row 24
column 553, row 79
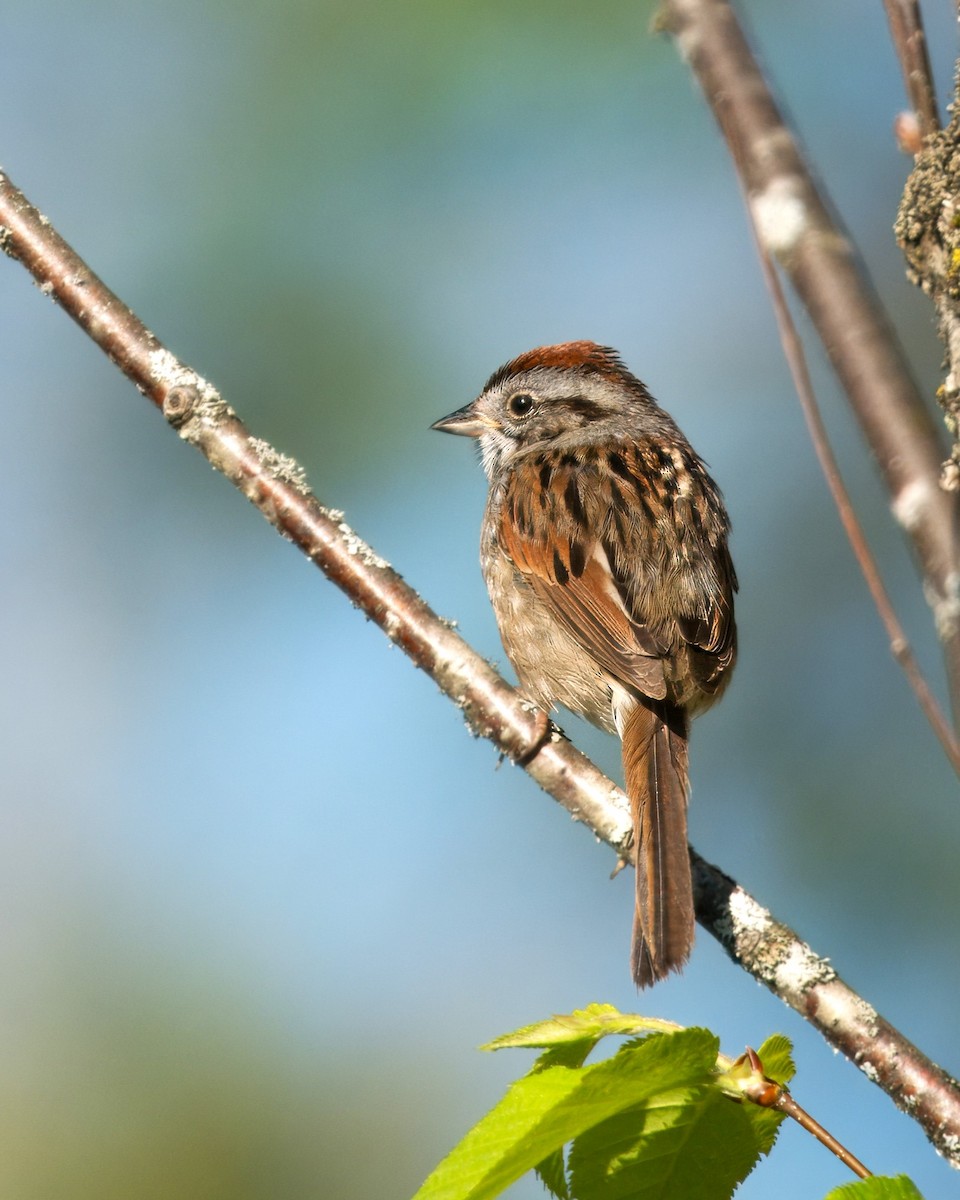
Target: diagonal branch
column 765, row 947
column 909, row 40
column 797, row 228
column 899, row 645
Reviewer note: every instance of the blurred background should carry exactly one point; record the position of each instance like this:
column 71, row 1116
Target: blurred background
column 261, row 895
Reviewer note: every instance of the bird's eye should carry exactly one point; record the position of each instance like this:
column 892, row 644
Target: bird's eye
column 520, row 404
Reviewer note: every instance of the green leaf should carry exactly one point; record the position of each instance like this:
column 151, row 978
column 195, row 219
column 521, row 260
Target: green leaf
column 548, row 1108
column 878, row 1187
column 586, row 1024
column 695, row 1143
column 566, row 1054
column 650, row 1122
column 553, row 1175
column 776, row 1054
column 570, row 1037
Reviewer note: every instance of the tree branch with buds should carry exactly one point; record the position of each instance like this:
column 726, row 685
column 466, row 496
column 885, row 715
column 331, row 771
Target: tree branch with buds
column 276, row 485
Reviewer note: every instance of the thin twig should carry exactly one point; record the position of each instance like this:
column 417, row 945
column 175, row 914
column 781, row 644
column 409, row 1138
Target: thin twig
column 799, row 230
column 769, row 950
column 910, row 43
column 746, row 1079
column 899, row 645
column 786, row 1104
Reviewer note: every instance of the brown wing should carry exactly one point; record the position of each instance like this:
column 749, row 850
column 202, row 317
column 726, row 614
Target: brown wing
column 586, row 530
column 545, row 529
column 713, row 637
column 681, row 538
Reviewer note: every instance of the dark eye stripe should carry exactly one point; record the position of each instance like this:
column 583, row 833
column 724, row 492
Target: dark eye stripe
column 582, row 407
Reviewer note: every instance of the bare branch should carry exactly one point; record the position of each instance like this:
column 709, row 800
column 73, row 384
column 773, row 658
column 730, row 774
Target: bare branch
column 494, row 710
column 910, row 43
column 899, row 645
column 776, row 956
column 800, row 232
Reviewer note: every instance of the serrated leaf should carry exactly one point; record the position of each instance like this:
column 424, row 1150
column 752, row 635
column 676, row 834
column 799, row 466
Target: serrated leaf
column 543, row 1111
column 765, row 1123
column 776, row 1054
column 878, row 1187
column 695, row 1143
column 585, row 1024
column 567, row 1054
column 552, row 1173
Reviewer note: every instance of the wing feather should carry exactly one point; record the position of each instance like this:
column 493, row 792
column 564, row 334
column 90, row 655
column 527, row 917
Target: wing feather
column 562, row 523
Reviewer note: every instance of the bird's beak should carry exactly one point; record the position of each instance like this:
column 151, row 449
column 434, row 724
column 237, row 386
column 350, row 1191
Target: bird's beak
column 466, row 422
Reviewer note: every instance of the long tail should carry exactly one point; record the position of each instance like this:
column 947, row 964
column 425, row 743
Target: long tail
column 655, row 767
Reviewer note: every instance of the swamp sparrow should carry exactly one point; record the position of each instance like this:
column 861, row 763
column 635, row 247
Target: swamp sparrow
column 604, row 549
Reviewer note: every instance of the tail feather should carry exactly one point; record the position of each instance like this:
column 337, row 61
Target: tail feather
column 655, row 768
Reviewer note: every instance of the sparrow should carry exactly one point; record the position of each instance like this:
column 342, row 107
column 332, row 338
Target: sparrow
column 604, row 547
